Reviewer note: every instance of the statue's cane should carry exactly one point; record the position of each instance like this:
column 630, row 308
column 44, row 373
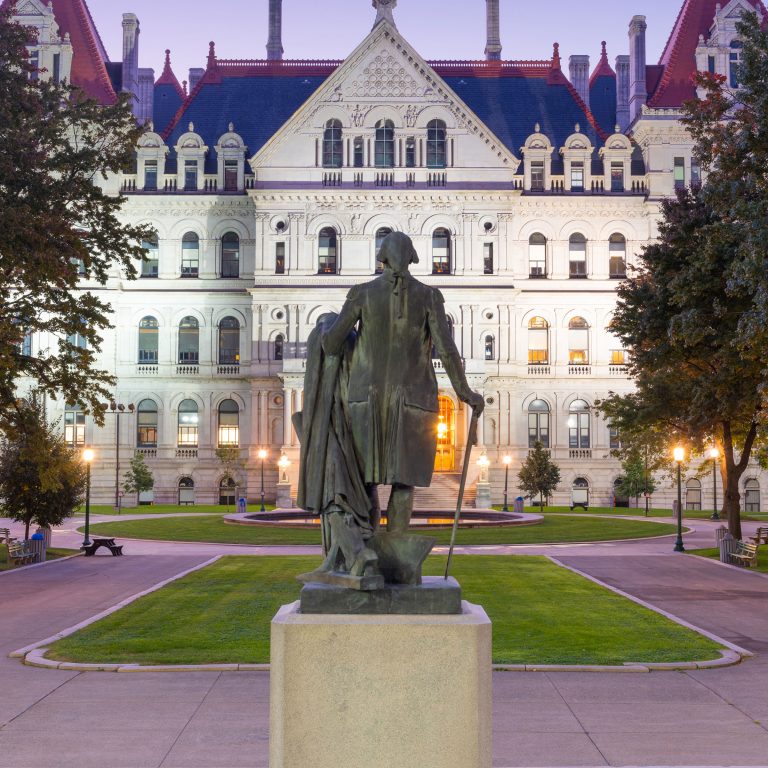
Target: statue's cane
column 471, row 440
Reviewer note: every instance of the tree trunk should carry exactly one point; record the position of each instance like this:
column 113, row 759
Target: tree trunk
column 27, row 523
column 732, row 472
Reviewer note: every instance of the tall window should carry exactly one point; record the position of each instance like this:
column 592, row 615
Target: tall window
column 693, row 494
column 577, row 256
column 279, row 258
column 227, row 492
column 229, row 341
column 230, row 175
column 614, row 442
column 148, row 340
column 146, row 424
column 190, row 255
column 537, row 175
column 279, row 346
column 577, row 176
column 74, row 425
column 538, row 341
column 490, row 348
column 578, row 342
column 410, row 152
column 537, row 255
column 381, row 233
column 326, row 251
column 26, row 344
column 618, row 356
column 695, row 171
column 752, row 496
column 230, row 255
column 436, row 144
column 538, row 424
column 189, row 424
column 189, row 341
column 578, row 425
column 441, row 252
column 229, row 424
column 150, row 175
column 190, row 175
column 186, row 491
column 735, row 63
column 617, row 176
column 679, row 172
column 617, row 262
column 357, row 152
column 384, row 149
column 332, row 144
column 149, row 267
column 488, row 258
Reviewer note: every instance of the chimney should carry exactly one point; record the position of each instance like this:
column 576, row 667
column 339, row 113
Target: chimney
column 638, row 91
column 622, row 92
column 131, row 54
column 146, row 95
column 195, row 76
column 578, row 68
column 275, row 42
column 493, row 43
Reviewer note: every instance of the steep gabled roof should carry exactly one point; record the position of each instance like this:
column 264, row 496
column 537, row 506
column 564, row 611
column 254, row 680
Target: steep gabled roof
column 602, row 93
column 169, row 96
column 679, row 55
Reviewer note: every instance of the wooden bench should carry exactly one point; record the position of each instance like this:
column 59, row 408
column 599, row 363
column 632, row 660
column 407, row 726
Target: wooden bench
column 5, row 535
column 745, row 554
column 760, row 537
column 115, row 549
column 19, row 554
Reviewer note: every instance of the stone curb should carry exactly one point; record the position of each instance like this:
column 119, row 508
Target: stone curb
column 40, row 565
column 23, row 652
column 761, row 574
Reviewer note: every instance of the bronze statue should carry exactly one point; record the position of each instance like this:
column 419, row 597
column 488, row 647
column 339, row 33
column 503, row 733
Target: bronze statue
column 382, row 408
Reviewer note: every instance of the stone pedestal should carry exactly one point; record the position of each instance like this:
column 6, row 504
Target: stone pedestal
column 283, row 498
column 380, row 691
column 483, row 500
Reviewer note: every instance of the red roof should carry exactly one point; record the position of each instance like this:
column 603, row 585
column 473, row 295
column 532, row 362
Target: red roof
column 168, row 77
column 89, row 57
column 603, row 68
column 679, row 57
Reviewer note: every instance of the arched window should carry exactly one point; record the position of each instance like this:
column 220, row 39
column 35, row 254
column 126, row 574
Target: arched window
column 538, row 424
column 490, row 348
column 578, row 425
column 537, row 256
column 381, row 233
column 186, row 491
column 693, row 494
column 149, row 267
column 228, row 492
column 279, row 346
column 752, row 496
column 229, row 341
column 578, row 342
column 580, row 493
column 735, row 62
column 619, row 499
column 146, row 424
column 230, row 255
column 74, row 425
column 190, row 255
column 332, row 144
column 326, row 251
column 189, row 341
column 441, row 252
column 189, row 424
column 617, row 264
column 79, row 341
column 538, row 341
column 385, row 144
column 148, row 340
column 229, row 424
column 577, row 256
column 436, row 143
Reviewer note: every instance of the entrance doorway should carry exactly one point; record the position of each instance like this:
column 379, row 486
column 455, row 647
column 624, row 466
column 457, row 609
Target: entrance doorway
column 445, row 457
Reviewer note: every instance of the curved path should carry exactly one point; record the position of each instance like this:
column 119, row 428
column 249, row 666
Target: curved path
column 705, row 717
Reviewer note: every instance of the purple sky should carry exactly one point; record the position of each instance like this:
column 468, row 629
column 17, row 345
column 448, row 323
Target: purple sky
column 438, row 29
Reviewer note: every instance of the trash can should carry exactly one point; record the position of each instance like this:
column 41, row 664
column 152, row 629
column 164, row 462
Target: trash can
column 727, row 547
column 37, row 545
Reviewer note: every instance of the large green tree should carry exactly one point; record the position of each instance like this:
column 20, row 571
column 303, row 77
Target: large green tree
column 139, row 477
column 58, row 224
column 538, row 475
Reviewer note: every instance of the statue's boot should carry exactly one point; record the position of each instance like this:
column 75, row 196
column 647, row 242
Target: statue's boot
column 366, row 563
column 400, row 509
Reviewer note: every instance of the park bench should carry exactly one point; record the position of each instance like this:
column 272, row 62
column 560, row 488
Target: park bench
column 760, row 537
column 19, row 554
column 5, row 535
column 115, row 549
column 745, row 554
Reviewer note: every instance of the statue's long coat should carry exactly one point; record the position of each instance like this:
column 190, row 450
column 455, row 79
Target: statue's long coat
column 392, row 394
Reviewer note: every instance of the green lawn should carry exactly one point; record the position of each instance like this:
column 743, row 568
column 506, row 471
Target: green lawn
column 168, row 509
column 714, row 554
column 694, row 514
column 52, row 554
column 214, row 529
column 541, row 613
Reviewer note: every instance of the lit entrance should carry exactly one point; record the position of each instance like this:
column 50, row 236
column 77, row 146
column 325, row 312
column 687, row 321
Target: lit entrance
column 446, row 436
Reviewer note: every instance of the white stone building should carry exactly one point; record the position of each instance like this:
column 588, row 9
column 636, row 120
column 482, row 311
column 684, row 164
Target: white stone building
column 527, row 193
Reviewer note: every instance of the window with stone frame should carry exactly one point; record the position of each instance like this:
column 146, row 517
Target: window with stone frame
column 188, row 428
column 537, row 256
column 384, row 144
column 538, row 424
column 229, row 341
column 327, row 252
column 441, row 252
column 537, row 176
column 579, row 425
column 488, row 266
column 74, row 425
column 190, row 175
column 617, row 252
column 146, row 424
column 149, row 338
column 436, row 144
column 333, row 143
column 150, row 175
column 577, row 256
column 189, row 341
column 230, row 255
column 229, row 424
column 617, row 176
column 231, row 172
column 578, row 341
column 538, row 341
column 150, row 265
column 577, row 176
column 190, row 255
column 679, row 172
column 381, row 233
column 280, row 258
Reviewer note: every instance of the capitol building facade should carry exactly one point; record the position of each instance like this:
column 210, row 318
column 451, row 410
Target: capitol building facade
column 528, row 187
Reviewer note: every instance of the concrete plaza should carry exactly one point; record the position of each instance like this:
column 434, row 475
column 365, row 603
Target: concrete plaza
column 715, row 717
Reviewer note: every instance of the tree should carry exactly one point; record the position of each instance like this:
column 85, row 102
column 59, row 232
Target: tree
column 42, row 479
column 679, row 317
column 230, row 462
column 539, row 475
column 58, row 224
column 139, row 477
column 637, row 478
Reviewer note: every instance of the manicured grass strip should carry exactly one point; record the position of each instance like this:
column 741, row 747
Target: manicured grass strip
column 541, row 613
column 215, row 530
column 168, row 509
column 714, row 554
column 693, row 514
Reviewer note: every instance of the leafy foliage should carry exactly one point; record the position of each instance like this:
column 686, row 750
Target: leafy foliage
column 139, row 477
column 56, row 220
column 637, row 479
column 538, row 475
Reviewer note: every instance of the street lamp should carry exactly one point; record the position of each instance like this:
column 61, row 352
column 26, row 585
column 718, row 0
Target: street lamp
column 483, row 462
column 507, row 461
column 714, row 454
column 88, row 456
column 262, row 455
column 679, row 455
column 283, row 464
column 118, row 409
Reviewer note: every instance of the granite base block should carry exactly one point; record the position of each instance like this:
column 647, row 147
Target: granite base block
column 435, row 596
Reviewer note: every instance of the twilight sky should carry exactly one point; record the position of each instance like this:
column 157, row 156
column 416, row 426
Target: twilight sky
column 438, row 29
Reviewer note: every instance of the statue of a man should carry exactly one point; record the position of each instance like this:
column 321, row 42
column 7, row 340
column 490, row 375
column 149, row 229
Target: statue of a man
column 392, row 397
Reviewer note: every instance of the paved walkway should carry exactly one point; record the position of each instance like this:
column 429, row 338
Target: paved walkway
column 219, row 720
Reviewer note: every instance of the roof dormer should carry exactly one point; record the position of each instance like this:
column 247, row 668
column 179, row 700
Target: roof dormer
column 230, row 152
column 577, row 161
column 151, row 152
column 617, row 162
column 190, row 155
column 537, row 152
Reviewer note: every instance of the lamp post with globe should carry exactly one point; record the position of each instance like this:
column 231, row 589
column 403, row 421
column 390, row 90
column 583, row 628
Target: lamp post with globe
column 262, row 455
column 714, row 454
column 507, row 461
column 88, row 457
column 679, row 455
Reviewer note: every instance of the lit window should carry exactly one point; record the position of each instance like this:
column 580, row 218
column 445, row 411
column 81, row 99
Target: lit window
column 229, row 424
column 327, row 252
column 537, row 256
column 617, row 263
column 436, row 144
column 148, row 341
column 679, row 172
column 146, row 424
column 189, row 341
column 385, row 144
column 279, row 258
column 441, row 252
column 188, row 424
column 618, row 357
column 332, row 144
column 230, row 255
column 538, row 341
column 74, row 425
column 229, row 341
column 577, row 256
column 190, row 255
column 578, row 342
column 578, row 425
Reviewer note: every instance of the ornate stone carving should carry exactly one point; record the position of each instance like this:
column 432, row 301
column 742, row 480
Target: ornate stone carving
column 411, row 116
column 385, row 77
